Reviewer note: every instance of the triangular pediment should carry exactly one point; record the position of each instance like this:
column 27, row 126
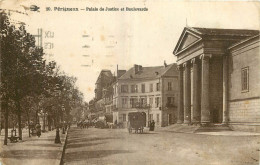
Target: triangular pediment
column 187, row 39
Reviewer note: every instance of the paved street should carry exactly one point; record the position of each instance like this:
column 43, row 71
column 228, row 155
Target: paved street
column 117, row 146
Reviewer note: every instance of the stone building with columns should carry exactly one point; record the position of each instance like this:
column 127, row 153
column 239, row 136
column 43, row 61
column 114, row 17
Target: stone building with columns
column 218, row 77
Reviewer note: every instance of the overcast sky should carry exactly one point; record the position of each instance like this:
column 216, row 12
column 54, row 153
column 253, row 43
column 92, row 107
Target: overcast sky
column 125, row 38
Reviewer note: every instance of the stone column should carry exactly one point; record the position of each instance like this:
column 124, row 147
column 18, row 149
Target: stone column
column 187, row 94
column 225, row 90
column 196, row 108
column 180, row 98
column 205, row 107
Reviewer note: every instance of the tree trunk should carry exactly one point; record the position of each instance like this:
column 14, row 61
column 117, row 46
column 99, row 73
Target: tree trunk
column 5, row 107
column 19, row 120
column 43, row 122
column 28, row 121
column 49, row 123
column 55, row 119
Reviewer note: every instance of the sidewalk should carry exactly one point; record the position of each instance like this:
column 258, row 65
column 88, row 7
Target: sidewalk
column 230, row 133
column 34, row 150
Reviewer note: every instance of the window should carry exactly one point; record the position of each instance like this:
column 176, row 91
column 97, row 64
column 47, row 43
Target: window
column 245, row 79
column 157, row 101
column 151, row 101
column 151, row 117
column 124, row 117
column 169, row 86
column 124, row 88
column 158, row 118
column 124, row 102
column 132, row 88
column 133, row 102
column 157, row 86
column 143, row 101
column 151, row 87
column 170, row 101
column 136, row 88
column 143, row 88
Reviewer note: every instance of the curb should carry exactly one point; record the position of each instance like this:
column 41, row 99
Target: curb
column 201, row 133
column 64, row 147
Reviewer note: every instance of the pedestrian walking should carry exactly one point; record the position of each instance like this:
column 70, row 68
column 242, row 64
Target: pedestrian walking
column 87, row 124
column 152, row 125
column 38, row 129
column 115, row 123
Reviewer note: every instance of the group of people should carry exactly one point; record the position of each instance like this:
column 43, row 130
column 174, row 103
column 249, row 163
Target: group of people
column 35, row 129
column 83, row 124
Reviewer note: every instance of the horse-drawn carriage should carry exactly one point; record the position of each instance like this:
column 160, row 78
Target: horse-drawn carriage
column 136, row 121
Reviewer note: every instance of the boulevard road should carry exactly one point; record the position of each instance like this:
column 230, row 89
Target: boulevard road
column 118, row 147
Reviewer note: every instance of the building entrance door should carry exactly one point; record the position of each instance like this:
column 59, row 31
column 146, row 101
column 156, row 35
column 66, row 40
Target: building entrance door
column 169, row 119
column 216, row 115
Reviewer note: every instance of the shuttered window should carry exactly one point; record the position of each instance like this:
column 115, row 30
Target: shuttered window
column 245, row 79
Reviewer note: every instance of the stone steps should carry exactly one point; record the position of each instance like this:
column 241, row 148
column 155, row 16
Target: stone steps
column 213, row 128
column 183, row 128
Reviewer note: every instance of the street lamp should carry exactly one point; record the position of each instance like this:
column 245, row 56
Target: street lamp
column 57, row 137
column 40, row 117
column 63, row 122
column 45, row 121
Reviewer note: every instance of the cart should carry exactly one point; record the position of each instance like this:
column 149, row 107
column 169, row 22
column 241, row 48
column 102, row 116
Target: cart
column 136, row 121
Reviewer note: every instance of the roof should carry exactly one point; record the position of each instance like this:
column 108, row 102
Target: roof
column 120, row 73
column 149, row 72
column 227, row 32
column 244, row 41
column 104, row 72
column 203, row 32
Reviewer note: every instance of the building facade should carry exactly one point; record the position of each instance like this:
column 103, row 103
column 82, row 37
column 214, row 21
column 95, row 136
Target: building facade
column 244, row 88
column 214, row 77
column 152, row 90
column 104, row 79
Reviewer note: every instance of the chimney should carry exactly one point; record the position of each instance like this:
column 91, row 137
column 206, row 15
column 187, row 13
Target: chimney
column 135, row 69
column 165, row 65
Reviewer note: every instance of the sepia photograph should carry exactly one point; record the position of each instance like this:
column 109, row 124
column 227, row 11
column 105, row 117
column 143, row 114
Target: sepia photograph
column 129, row 82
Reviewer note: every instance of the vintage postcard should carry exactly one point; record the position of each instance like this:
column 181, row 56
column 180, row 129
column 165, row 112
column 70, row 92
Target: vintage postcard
column 123, row 82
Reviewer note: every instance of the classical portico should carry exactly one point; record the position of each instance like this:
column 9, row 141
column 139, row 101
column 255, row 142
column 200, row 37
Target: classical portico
column 203, row 66
column 194, row 83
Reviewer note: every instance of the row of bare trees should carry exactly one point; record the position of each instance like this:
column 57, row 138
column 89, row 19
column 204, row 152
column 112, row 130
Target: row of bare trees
column 30, row 84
